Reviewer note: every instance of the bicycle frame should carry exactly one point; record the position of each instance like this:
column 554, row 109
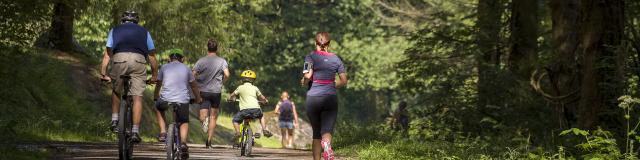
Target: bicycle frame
column 246, row 139
column 125, row 145
column 174, row 141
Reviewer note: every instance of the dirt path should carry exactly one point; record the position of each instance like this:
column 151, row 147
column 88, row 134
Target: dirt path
column 65, row 150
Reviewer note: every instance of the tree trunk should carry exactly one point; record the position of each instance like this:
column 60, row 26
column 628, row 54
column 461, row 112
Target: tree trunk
column 602, row 65
column 488, row 23
column 524, row 35
column 563, row 71
column 61, row 32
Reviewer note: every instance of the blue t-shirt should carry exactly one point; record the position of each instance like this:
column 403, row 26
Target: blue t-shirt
column 130, row 37
column 325, row 67
column 175, row 78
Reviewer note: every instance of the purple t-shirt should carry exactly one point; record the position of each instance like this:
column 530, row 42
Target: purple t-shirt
column 325, row 67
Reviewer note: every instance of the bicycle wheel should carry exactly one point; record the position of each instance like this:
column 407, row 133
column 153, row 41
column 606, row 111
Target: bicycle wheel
column 123, row 149
column 129, row 127
column 248, row 143
column 242, row 140
column 170, row 142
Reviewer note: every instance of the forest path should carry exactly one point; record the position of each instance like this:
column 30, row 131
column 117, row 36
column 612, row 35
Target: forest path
column 83, row 150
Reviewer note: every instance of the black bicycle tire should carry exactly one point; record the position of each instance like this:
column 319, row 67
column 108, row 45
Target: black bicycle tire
column 170, row 142
column 122, row 133
column 129, row 127
column 242, row 140
column 248, row 143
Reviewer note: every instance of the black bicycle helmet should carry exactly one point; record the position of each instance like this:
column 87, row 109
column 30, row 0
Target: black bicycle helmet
column 175, row 56
column 129, row 16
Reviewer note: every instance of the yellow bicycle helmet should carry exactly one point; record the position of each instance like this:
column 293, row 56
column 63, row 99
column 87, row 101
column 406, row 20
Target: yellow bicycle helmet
column 248, row 74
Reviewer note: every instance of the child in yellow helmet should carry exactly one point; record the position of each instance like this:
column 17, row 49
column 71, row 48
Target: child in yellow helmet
column 249, row 104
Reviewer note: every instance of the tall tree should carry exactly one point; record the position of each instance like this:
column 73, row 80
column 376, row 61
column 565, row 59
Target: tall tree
column 563, row 71
column 602, row 61
column 61, row 32
column 587, row 73
column 488, row 62
column 524, row 36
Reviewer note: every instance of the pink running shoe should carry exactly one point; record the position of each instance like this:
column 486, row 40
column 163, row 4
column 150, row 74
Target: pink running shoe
column 328, row 152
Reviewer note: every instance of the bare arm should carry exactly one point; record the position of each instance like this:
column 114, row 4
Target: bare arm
column 343, row 80
column 277, row 110
column 264, row 99
column 156, row 92
column 103, row 66
column 154, row 66
column 232, row 97
column 295, row 115
column 226, row 75
column 306, row 78
column 196, row 91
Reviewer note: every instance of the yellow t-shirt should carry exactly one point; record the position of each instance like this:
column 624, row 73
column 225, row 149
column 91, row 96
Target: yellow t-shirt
column 248, row 94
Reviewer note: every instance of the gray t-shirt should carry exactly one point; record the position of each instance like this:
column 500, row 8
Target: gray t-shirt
column 325, row 67
column 175, row 78
column 210, row 71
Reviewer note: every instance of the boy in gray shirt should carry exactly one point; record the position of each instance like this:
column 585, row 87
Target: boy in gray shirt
column 211, row 72
column 175, row 80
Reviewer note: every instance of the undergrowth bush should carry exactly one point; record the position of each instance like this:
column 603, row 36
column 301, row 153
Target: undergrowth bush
column 39, row 101
column 439, row 136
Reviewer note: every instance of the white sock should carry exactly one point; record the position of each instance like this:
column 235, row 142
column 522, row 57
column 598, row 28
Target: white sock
column 135, row 128
column 114, row 116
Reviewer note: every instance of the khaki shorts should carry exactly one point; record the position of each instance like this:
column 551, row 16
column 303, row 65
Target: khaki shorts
column 132, row 64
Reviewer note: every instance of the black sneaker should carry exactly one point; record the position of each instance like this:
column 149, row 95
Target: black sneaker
column 135, row 138
column 207, row 144
column 267, row 133
column 236, row 139
column 256, row 135
column 184, row 149
column 162, row 137
column 114, row 126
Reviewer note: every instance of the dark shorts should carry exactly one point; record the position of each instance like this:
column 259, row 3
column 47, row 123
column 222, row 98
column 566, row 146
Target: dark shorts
column 161, row 105
column 253, row 113
column 210, row 100
column 181, row 110
column 322, row 112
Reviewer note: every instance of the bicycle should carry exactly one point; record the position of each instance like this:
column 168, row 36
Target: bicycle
column 173, row 136
column 125, row 124
column 247, row 138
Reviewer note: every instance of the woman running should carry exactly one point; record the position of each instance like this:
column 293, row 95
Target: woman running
column 320, row 69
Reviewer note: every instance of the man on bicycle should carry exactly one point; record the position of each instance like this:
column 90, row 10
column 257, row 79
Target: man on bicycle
column 129, row 46
column 211, row 72
column 175, row 80
column 249, row 107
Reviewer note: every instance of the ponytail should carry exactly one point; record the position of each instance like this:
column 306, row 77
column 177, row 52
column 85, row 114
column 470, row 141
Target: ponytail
column 323, row 40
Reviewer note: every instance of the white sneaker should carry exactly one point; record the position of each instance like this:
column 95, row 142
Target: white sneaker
column 205, row 125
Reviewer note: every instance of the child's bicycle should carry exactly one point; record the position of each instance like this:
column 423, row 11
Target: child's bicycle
column 173, row 136
column 247, row 137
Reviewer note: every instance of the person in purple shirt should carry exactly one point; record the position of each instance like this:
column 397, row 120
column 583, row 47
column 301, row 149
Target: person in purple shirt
column 320, row 69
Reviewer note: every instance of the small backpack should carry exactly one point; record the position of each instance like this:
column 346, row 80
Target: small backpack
column 286, row 110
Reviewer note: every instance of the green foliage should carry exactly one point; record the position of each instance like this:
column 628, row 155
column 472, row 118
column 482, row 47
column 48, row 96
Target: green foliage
column 599, row 144
column 23, row 21
column 44, row 111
